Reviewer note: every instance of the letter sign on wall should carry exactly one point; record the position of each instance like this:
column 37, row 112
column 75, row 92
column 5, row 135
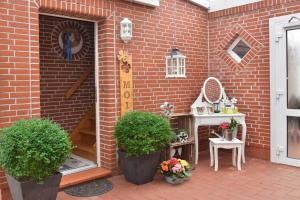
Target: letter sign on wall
column 126, row 86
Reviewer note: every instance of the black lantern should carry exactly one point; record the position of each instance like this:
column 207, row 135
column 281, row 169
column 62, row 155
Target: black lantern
column 216, row 107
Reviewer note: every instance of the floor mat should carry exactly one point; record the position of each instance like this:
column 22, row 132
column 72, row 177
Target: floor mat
column 74, row 162
column 93, row 188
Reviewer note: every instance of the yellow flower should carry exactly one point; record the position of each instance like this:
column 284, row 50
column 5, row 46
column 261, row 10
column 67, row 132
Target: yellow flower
column 184, row 163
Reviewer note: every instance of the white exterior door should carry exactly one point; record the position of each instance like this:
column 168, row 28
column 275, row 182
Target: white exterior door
column 285, row 89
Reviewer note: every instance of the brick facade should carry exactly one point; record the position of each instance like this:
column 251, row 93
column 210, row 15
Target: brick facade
column 21, row 96
column 248, row 81
column 199, row 35
column 58, row 75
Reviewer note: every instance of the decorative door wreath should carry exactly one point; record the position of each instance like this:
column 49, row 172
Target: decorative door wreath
column 70, row 40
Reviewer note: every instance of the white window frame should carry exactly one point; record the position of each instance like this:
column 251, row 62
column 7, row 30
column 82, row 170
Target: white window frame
column 152, row 3
column 233, row 54
column 178, row 66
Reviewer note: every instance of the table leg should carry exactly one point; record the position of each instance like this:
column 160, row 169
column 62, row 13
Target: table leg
column 216, row 157
column 234, row 157
column 211, row 154
column 196, row 143
column 244, row 131
column 239, row 157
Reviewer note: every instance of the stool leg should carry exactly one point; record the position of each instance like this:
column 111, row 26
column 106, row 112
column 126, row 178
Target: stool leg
column 243, row 153
column 234, row 157
column 216, row 157
column 239, row 158
column 211, row 154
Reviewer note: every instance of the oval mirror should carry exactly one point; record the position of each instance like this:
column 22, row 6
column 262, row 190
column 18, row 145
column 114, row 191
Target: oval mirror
column 212, row 90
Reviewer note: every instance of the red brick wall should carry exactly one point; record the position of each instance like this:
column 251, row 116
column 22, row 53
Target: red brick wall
column 59, row 75
column 153, row 32
column 249, row 82
column 152, row 41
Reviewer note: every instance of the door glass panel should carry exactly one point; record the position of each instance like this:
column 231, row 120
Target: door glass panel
column 293, row 63
column 293, row 137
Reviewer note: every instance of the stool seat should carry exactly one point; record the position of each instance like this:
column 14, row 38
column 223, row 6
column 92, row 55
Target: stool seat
column 216, row 143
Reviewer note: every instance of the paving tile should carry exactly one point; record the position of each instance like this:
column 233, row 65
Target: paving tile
column 258, row 180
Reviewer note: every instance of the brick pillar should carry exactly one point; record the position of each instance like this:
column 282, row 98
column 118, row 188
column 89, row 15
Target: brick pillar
column 5, row 193
column 109, row 92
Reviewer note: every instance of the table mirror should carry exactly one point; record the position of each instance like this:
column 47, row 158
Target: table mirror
column 212, row 90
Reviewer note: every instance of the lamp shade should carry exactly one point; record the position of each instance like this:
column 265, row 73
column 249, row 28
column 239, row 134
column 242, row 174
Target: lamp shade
column 126, row 30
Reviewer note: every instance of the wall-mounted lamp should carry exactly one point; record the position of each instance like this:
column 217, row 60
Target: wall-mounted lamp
column 175, row 64
column 126, row 30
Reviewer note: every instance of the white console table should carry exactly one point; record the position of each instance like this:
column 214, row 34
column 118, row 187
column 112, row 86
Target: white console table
column 217, row 119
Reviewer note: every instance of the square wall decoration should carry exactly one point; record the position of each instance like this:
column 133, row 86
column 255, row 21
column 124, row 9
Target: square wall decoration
column 238, row 48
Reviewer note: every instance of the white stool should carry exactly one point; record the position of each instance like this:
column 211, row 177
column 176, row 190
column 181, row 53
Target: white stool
column 216, row 143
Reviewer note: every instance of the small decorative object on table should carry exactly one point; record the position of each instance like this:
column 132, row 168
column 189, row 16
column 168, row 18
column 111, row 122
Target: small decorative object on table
column 216, row 107
column 229, row 106
column 175, row 170
column 229, row 130
column 201, row 110
column 234, row 108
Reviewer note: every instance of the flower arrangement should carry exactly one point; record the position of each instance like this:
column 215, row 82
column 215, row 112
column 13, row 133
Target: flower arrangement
column 231, row 126
column 229, row 105
column 229, row 129
column 175, row 170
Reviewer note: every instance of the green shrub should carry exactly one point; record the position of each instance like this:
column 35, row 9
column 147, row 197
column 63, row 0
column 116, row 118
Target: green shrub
column 33, row 149
column 140, row 133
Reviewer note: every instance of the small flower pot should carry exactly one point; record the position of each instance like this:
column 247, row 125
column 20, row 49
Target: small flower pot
column 228, row 135
column 174, row 180
column 234, row 133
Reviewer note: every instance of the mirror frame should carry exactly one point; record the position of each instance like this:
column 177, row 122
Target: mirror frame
column 221, row 90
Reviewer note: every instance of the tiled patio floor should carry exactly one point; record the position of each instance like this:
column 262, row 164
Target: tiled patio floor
column 258, row 180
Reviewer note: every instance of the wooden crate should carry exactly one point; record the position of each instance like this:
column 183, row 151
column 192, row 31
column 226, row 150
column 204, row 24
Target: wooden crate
column 183, row 121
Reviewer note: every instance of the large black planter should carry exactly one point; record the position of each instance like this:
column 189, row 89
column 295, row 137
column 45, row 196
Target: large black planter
column 34, row 191
column 139, row 170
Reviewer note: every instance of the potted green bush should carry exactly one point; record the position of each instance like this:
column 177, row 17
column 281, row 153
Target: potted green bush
column 31, row 152
column 141, row 137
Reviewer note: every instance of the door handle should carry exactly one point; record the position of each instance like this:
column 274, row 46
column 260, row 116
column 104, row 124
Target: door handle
column 279, row 93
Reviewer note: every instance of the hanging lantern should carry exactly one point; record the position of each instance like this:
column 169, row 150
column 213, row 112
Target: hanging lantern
column 126, row 30
column 175, row 64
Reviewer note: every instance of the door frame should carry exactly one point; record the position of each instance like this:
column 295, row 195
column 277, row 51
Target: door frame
column 97, row 88
column 278, row 64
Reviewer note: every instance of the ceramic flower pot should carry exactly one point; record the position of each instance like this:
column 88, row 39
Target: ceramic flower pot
column 139, row 170
column 174, row 180
column 234, row 133
column 31, row 190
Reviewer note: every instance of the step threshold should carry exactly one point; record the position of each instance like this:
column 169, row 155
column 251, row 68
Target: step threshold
column 84, row 176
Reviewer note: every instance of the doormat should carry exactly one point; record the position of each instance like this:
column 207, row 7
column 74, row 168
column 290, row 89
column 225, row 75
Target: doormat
column 74, row 162
column 93, row 188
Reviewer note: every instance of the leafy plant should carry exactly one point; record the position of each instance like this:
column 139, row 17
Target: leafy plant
column 33, row 149
column 140, row 133
column 233, row 124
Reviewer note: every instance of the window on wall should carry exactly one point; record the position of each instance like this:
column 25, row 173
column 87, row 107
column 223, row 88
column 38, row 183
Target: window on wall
column 238, row 49
column 175, row 66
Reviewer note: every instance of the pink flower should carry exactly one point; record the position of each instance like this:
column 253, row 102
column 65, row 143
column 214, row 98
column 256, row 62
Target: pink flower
column 176, row 168
column 224, row 125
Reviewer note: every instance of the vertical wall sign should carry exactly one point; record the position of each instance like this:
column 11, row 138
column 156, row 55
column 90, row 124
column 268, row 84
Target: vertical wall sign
column 126, row 83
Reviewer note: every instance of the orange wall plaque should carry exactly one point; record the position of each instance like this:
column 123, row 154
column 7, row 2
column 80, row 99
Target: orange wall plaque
column 126, row 83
